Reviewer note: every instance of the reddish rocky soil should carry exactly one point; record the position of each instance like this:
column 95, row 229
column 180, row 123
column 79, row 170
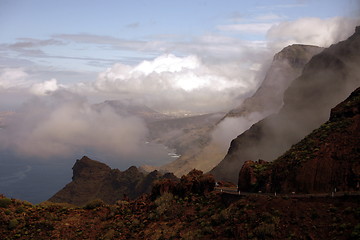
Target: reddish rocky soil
column 213, row 216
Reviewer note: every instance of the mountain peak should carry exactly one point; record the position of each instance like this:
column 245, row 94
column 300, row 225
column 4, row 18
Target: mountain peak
column 86, row 168
column 95, row 180
column 286, row 66
column 357, row 30
column 297, row 54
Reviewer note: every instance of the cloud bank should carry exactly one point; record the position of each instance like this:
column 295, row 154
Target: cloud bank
column 312, row 31
column 13, row 78
column 231, row 127
column 185, row 83
column 197, row 79
column 64, row 124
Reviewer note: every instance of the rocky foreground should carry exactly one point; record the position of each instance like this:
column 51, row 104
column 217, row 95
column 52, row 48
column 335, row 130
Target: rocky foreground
column 201, row 215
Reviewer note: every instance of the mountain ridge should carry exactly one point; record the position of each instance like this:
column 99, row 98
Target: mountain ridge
column 326, row 160
column 204, row 154
column 327, row 79
column 95, row 180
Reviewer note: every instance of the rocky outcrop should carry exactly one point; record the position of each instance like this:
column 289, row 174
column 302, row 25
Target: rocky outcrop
column 94, row 180
column 249, row 176
column 327, row 79
column 327, row 159
column 195, row 182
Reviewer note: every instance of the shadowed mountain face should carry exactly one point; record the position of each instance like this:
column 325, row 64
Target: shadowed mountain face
column 94, row 180
column 326, row 159
column 286, row 66
column 196, row 146
column 326, row 80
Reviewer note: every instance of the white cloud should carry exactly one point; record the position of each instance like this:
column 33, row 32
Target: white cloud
column 166, row 63
column 187, row 83
column 313, row 31
column 250, row 28
column 44, row 88
column 64, row 125
column 13, row 78
column 230, row 128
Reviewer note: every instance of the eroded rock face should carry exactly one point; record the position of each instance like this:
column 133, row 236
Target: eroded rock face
column 249, row 173
column 95, row 180
column 86, row 169
column 327, row 79
column 326, row 159
column 195, row 182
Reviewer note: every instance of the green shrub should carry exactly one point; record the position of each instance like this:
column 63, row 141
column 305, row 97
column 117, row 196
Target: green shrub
column 164, row 204
column 348, row 210
column 27, row 204
column 13, row 223
column 55, row 205
column 7, row 212
column 314, row 215
column 94, row 204
column 20, row 209
column 356, row 232
column 264, row 231
column 5, row 202
column 207, row 230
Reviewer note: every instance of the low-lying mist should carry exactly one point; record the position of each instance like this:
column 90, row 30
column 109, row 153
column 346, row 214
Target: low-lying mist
column 65, row 125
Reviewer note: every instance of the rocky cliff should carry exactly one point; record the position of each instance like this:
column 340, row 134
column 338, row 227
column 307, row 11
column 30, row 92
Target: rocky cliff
column 195, row 182
column 327, row 79
column 285, row 67
column 94, row 180
column 326, row 159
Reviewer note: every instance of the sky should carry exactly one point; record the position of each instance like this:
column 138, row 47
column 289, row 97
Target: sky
column 59, row 58
column 72, row 42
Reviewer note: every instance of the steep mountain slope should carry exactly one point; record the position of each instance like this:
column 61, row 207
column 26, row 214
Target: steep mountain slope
column 327, row 79
column 183, row 133
column 286, row 66
column 125, row 108
column 94, row 180
column 326, row 159
column 203, row 153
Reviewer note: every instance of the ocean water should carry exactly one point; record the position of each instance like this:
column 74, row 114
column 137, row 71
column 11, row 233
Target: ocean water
column 37, row 180
column 33, row 182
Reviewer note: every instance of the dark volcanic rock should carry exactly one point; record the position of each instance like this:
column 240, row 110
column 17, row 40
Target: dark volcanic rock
column 327, row 79
column 94, row 180
column 195, row 182
column 249, row 174
column 86, row 169
column 326, row 159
